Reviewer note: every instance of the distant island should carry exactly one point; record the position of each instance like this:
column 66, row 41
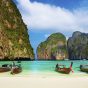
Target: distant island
column 56, row 47
column 15, row 44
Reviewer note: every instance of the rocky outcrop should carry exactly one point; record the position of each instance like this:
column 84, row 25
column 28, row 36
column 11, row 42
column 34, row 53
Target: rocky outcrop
column 14, row 39
column 78, row 46
column 54, row 48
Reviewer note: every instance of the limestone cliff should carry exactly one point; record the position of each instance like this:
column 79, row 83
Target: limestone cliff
column 78, row 46
column 14, row 39
column 54, row 48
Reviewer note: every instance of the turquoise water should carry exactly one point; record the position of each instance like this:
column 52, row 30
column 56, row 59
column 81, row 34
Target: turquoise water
column 46, row 67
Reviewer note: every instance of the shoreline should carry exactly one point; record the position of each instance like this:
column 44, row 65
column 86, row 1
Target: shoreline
column 45, row 75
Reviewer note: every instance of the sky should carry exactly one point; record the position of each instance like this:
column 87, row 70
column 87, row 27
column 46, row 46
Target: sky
column 44, row 17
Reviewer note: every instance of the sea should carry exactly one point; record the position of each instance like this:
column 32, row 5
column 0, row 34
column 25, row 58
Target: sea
column 47, row 68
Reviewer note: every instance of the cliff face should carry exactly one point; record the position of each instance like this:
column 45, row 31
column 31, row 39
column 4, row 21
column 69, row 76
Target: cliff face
column 54, row 48
column 78, row 46
column 14, row 39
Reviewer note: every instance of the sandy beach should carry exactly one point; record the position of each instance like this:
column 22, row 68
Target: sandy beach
column 44, row 82
column 44, row 77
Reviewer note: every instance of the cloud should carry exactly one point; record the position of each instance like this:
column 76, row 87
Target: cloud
column 39, row 16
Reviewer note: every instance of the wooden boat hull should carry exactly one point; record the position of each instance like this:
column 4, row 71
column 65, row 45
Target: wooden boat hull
column 63, row 70
column 4, row 69
column 16, row 70
column 84, row 68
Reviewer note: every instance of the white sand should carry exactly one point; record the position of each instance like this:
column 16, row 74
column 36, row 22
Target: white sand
column 43, row 82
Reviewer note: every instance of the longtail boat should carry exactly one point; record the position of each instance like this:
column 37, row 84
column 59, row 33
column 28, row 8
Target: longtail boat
column 84, row 68
column 16, row 70
column 5, row 68
column 63, row 69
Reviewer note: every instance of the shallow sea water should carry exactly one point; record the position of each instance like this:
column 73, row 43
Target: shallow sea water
column 46, row 68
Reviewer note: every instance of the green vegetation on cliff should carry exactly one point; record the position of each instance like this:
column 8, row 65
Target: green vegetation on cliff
column 78, row 46
column 54, row 48
column 14, row 39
